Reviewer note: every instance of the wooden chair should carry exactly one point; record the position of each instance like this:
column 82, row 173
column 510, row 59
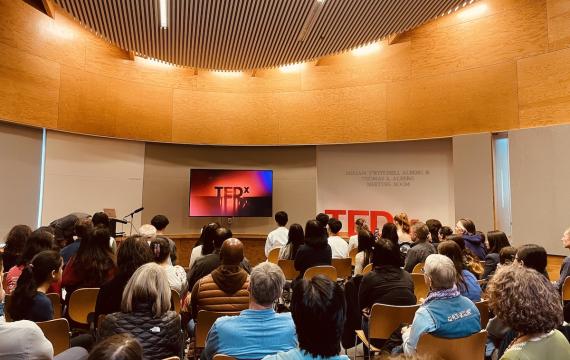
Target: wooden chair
column 288, row 268
column 566, row 289
column 420, row 288
column 204, row 323
column 368, row 268
column 273, row 256
column 483, row 307
column 7, row 303
column 81, row 304
column 352, row 256
column 175, row 300
column 327, row 270
column 57, row 332
column 223, row 357
column 56, row 303
column 418, row 269
column 467, row 348
column 172, row 358
column 343, row 267
column 384, row 319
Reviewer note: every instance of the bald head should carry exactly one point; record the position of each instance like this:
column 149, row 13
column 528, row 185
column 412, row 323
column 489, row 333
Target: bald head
column 231, row 252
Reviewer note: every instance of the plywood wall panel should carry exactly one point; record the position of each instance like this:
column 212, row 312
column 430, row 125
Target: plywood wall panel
column 29, row 88
column 518, row 31
column 544, row 89
column 482, row 99
column 558, row 24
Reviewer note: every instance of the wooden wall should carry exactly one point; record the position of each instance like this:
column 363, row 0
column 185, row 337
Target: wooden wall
column 506, row 66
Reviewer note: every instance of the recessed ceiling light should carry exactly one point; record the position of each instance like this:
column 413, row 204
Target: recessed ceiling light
column 228, row 74
column 292, row 68
column 366, row 49
column 163, row 14
column 473, row 12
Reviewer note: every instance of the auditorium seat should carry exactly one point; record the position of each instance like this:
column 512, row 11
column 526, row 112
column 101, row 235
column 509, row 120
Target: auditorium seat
column 467, row 348
column 566, row 289
column 368, row 268
column 223, row 357
column 57, row 332
column 327, row 270
column 81, row 304
column 56, row 303
column 352, row 256
column 418, row 269
column 175, row 300
column 204, row 322
column 420, row 288
column 288, row 268
column 273, row 256
column 343, row 267
column 483, row 307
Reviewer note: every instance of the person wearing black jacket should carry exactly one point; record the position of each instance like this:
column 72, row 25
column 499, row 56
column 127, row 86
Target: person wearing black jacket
column 316, row 250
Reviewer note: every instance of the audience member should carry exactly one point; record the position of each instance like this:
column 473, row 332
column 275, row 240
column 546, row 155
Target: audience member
column 259, row 330
column 364, row 255
column 132, row 254
column 117, row 347
column 465, row 280
column 403, row 225
column 148, row 232
column 100, row 219
column 296, row 238
column 205, row 244
column 444, row 313
column 565, row 267
column 63, row 229
column 470, row 259
column 318, row 308
column 507, row 255
column 176, row 274
column 434, row 226
column 323, row 220
column 15, row 243
column 208, row 263
column 279, row 236
column 25, row 340
column 226, row 288
column 29, row 300
column 421, row 248
column 338, row 245
column 533, row 256
column 145, row 314
column 390, row 232
column 160, row 222
column 444, row 232
column 315, row 251
column 93, row 265
column 473, row 241
column 359, row 225
column 497, row 240
column 527, row 302
column 83, row 227
column 38, row 241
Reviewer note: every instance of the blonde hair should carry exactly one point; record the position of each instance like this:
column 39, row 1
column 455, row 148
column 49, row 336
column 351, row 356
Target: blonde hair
column 402, row 220
column 148, row 232
column 148, row 284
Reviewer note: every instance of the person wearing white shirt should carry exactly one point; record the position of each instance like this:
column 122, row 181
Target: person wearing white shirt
column 338, row 245
column 360, row 224
column 279, row 236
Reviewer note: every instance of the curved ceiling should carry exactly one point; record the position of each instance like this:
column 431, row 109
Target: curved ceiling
column 250, row 34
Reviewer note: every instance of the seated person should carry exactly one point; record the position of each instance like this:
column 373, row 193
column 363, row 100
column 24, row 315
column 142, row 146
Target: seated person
column 338, row 245
column 15, row 243
column 319, row 312
column 565, row 267
column 117, row 347
column 533, row 256
column 474, row 241
column 145, row 314
column 259, row 330
column 205, row 243
column 83, row 227
column 497, row 241
column 526, row 302
column 421, row 248
column 176, row 274
column 316, row 251
column 29, row 300
column 444, row 313
column 160, row 222
column 295, row 238
column 465, row 280
column 226, row 288
column 364, row 255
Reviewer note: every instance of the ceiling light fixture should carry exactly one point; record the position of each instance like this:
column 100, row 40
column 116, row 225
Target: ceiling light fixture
column 228, row 74
column 366, row 49
column 311, row 19
column 163, row 14
column 292, row 68
column 473, row 12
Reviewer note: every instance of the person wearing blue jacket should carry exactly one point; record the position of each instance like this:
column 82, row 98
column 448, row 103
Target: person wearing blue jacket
column 473, row 241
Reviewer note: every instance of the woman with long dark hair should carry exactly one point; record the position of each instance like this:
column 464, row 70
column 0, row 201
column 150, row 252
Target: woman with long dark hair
column 93, row 264
column 364, row 255
column 465, row 280
column 29, row 300
column 316, row 250
column 205, row 244
column 497, row 241
column 15, row 243
column 296, row 238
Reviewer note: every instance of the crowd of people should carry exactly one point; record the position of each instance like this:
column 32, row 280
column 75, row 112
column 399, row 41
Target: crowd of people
column 134, row 315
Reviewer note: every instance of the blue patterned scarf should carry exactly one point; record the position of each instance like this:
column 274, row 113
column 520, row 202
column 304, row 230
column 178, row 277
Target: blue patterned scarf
column 442, row 294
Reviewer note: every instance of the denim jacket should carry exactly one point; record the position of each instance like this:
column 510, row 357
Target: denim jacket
column 454, row 317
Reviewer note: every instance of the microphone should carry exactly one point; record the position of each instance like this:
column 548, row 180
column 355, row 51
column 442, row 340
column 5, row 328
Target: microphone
column 136, row 211
column 120, row 221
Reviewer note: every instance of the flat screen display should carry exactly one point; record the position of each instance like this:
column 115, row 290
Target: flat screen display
column 240, row 193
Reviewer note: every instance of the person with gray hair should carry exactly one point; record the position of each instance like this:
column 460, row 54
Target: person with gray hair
column 444, row 313
column 421, row 248
column 258, row 331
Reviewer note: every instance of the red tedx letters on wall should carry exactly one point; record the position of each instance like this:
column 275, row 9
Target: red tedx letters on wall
column 353, row 214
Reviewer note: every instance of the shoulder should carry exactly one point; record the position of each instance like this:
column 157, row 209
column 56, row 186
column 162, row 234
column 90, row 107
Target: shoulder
column 293, row 354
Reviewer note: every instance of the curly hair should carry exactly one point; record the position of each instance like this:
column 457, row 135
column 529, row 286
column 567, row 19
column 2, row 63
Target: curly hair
column 524, row 299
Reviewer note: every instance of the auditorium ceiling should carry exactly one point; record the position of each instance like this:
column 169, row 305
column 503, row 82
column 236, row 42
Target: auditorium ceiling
column 250, row 34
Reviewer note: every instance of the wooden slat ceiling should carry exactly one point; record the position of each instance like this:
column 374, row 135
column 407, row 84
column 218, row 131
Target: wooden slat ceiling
column 250, row 34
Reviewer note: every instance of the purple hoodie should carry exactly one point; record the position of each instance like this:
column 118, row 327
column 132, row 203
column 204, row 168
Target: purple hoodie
column 475, row 244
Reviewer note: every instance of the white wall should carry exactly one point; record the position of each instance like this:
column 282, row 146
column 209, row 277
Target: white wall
column 87, row 174
column 344, row 171
column 540, row 186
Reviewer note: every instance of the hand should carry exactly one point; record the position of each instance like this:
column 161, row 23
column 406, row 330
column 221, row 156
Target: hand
column 366, row 312
column 405, row 329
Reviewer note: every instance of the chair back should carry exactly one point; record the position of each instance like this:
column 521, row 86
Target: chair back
column 467, row 348
column 223, row 357
column 175, row 300
column 288, row 268
column 483, row 307
column 273, row 255
column 56, row 303
column 352, row 255
column 421, row 290
column 384, row 319
column 418, row 269
column 204, row 322
column 566, row 289
column 327, row 270
column 7, row 304
column 172, row 358
column 82, row 303
column 368, row 268
column 57, row 332
column 343, row 267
